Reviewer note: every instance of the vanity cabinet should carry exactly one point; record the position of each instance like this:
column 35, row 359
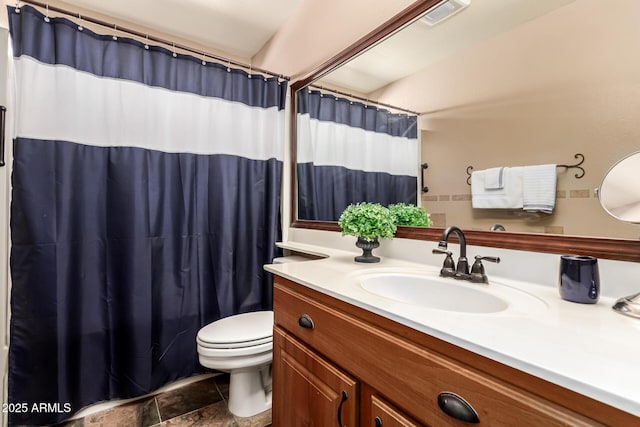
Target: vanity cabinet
column 310, row 390
column 403, row 377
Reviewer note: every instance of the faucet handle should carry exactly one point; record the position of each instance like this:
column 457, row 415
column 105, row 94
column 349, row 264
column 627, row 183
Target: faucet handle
column 477, row 269
column 488, row 258
column 449, row 266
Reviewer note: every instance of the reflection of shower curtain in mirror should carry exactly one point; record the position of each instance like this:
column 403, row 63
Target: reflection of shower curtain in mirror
column 348, row 152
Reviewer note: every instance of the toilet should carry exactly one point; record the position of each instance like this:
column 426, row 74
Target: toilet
column 241, row 345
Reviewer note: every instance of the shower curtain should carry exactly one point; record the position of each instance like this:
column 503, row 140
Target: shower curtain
column 350, row 152
column 146, row 191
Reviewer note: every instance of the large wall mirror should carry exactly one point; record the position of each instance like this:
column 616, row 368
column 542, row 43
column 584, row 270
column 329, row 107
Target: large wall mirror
column 495, row 84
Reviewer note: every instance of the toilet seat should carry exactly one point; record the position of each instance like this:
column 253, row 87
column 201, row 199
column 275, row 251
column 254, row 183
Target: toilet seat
column 241, row 331
column 233, row 345
column 227, row 353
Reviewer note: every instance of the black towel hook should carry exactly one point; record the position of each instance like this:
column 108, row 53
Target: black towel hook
column 576, row 166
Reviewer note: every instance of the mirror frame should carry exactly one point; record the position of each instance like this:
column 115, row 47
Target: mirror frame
column 601, row 247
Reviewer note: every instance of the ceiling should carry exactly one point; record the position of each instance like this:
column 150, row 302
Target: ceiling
column 419, row 45
column 241, row 28
column 237, row 27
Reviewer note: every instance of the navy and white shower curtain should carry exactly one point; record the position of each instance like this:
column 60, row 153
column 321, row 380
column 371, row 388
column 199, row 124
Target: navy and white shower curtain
column 350, row 152
column 145, row 201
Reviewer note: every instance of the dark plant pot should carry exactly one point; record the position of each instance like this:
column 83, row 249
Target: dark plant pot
column 367, row 247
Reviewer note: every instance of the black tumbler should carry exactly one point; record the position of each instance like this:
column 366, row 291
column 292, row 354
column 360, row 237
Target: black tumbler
column 579, row 279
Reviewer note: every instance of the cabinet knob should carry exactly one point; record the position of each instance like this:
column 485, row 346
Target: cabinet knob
column 458, row 408
column 306, row 322
column 378, row 422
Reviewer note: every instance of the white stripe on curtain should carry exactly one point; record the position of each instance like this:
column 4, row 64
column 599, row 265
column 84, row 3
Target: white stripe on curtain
column 326, row 143
column 83, row 108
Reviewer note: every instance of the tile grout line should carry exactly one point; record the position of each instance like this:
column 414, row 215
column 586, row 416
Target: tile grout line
column 224, row 399
column 157, row 408
column 219, row 391
column 195, row 409
column 191, row 411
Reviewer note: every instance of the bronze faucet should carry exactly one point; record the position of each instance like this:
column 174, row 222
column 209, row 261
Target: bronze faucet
column 460, row 270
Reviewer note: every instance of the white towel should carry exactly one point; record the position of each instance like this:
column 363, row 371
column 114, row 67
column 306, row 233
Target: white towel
column 507, row 197
column 539, row 188
column 493, row 178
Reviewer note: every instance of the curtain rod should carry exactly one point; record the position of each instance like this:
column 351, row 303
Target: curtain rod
column 359, row 98
column 148, row 37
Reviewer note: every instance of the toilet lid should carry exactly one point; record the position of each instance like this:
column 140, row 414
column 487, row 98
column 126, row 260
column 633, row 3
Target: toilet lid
column 243, row 329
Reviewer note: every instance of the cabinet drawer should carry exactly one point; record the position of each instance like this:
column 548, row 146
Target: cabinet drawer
column 385, row 415
column 409, row 375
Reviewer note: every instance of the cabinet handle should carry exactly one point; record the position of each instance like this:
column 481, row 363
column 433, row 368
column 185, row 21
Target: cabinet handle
column 306, row 322
column 378, row 422
column 344, row 399
column 458, row 408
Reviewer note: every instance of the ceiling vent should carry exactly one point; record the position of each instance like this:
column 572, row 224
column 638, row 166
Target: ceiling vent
column 444, row 10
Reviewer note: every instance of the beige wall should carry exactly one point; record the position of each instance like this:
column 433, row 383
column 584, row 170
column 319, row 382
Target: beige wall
column 566, row 83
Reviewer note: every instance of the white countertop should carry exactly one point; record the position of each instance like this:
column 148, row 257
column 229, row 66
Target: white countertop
column 587, row 348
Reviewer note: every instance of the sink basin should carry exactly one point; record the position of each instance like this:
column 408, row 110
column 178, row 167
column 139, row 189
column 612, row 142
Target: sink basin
column 436, row 293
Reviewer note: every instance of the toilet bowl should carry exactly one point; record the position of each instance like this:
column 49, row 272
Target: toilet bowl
column 241, row 345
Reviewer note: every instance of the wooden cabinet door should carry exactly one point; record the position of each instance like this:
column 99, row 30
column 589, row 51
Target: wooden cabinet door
column 308, row 391
column 385, row 415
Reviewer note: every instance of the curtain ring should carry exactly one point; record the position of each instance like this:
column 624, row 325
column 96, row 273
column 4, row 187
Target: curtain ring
column 115, row 31
column 17, row 8
column 175, row 55
column 80, row 27
column 146, row 42
column 46, row 16
column 203, row 61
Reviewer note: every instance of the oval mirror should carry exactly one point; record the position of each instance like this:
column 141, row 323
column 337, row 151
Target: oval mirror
column 620, row 196
column 618, row 193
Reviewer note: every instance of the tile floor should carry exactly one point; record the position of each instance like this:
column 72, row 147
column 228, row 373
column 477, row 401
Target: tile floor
column 199, row 404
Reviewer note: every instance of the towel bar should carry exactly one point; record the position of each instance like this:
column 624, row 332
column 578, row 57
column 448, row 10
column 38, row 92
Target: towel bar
column 575, row 166
column 423, row 167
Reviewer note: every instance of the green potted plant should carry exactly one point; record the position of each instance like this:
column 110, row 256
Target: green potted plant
column 411, row 215
column 368, row 222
